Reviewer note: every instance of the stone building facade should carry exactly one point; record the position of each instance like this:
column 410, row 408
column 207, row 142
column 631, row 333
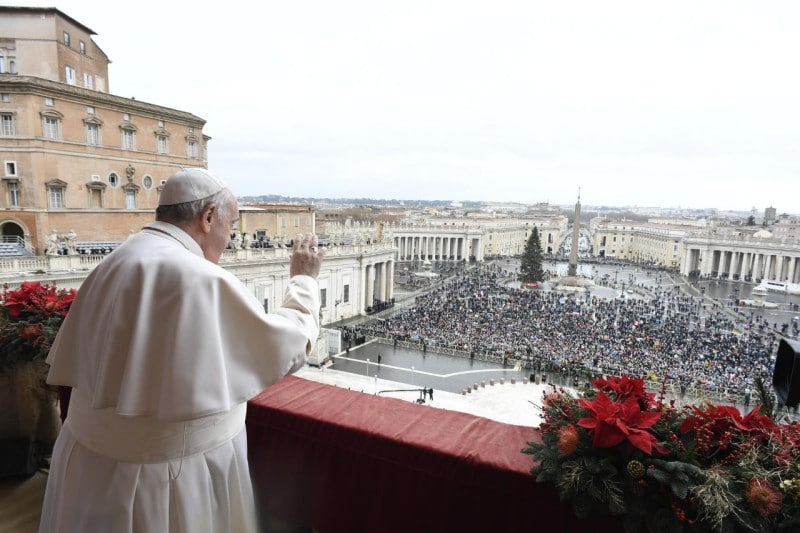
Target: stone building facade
column 76, row 157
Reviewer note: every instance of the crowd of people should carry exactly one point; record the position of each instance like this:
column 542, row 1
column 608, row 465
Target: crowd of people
column 668, row 335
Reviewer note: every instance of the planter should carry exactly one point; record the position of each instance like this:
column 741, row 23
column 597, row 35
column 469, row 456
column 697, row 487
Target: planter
column 28, row 406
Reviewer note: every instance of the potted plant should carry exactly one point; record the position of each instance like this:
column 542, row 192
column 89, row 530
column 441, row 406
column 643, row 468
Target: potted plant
column 619, row 450
column 30, row 317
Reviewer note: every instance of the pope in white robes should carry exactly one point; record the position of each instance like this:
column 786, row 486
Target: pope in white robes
column 162, row 348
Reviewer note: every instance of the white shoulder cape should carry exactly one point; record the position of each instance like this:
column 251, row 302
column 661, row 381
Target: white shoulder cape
column 157, row 330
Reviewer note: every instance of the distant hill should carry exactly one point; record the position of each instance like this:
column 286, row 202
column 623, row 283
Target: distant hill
column 377, row 202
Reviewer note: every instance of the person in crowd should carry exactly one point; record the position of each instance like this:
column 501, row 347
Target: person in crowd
column 163, row 348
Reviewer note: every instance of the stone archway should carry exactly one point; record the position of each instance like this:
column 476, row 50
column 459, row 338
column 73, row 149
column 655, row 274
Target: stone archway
column 12, row 229
column 13, row 238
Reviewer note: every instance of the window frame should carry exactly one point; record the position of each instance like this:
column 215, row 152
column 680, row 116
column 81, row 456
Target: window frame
column 13, row 193
column 70, row 75
column 51, row 127
column 128, row 139
column 92, row 134
column 131, row 195
column 9, row 125
column 130, row 199
column 55, row 195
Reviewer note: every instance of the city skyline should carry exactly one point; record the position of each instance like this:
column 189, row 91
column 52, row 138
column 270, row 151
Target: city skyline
column 687, row 105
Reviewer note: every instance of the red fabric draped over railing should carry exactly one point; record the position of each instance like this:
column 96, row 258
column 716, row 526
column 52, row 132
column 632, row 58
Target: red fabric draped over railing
column 337, row 460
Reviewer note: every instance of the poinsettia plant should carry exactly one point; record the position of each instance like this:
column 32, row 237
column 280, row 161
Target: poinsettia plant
column 29, row 320
column 618, row 449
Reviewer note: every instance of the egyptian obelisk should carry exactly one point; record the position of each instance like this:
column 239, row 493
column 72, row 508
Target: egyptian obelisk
column 572, row 271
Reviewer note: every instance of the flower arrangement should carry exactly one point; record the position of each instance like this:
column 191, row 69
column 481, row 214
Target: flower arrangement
column 619, row 450
column 29, row 320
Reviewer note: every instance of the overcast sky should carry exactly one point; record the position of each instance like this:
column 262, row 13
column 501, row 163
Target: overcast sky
column 670, row 104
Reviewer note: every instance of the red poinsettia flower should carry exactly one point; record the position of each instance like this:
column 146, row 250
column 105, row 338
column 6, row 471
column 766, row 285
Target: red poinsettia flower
column 617, row 422
column 719, row 419
column 30, row 317
column 623, row 387
column 753, row 420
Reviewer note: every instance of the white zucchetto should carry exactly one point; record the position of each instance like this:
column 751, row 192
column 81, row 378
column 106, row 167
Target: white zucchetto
column 190, row 184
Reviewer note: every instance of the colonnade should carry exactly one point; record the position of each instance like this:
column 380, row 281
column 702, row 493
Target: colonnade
column 377, row 283
column 779, row 262
column 438, row 247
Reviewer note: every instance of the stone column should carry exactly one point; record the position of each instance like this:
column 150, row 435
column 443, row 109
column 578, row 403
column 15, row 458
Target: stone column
column 390, row 280
column 739, row 263
column 370, row 285
column 380, row 273
column 768, row 264
column 705, row 262
column 363, row 284
column 747, row 260
column 684, row 261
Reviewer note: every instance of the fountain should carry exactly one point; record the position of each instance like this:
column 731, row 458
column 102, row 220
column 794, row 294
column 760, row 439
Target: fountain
column 426, row 272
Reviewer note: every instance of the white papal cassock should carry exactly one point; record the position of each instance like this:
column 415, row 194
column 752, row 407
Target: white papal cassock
column 163, row 349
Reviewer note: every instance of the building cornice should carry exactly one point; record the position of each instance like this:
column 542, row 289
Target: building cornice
column 32, row 84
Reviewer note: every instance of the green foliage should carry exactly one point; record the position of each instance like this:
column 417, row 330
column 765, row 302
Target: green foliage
column 711, row 468
column 679, row 476
column 30, row 318
column 532, row 259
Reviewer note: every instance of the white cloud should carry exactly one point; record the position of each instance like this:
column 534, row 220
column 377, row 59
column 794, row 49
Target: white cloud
column 678, row 103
